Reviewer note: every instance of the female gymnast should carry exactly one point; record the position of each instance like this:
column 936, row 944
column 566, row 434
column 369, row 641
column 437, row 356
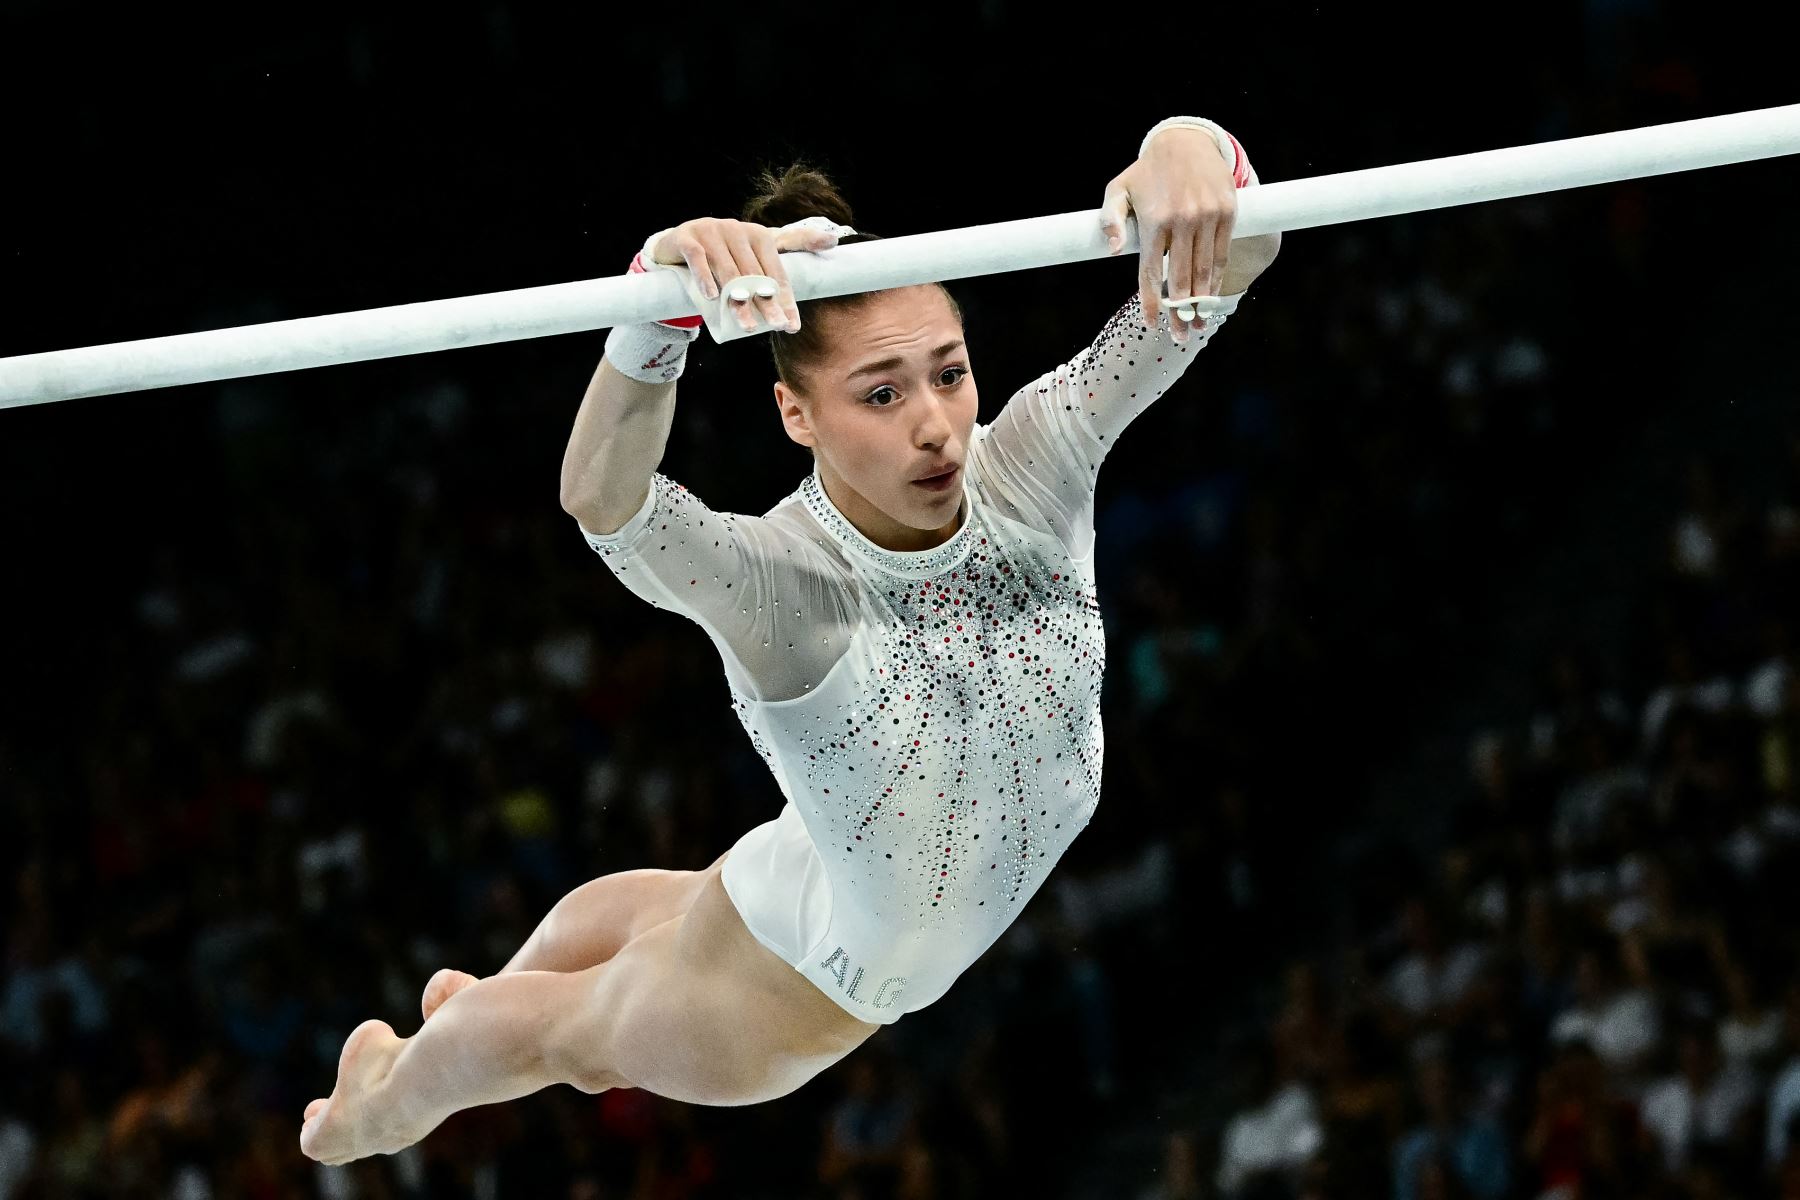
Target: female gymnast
column 912, row 640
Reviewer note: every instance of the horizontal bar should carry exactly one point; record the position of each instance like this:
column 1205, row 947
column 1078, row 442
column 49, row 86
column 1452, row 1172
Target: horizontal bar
column 894, row 262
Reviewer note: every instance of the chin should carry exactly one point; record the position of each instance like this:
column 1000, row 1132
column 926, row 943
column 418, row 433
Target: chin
column 931, row 514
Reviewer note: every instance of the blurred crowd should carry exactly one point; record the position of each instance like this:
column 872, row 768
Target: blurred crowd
column 370, row 707
column 1595, row 991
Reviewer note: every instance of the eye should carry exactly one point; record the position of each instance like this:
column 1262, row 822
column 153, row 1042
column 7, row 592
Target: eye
column 885, row 395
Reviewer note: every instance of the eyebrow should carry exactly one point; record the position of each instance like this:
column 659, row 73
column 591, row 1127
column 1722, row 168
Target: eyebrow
column 888, row 364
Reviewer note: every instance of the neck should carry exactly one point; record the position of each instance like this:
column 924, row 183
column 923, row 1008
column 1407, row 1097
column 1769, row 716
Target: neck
column 876, row 525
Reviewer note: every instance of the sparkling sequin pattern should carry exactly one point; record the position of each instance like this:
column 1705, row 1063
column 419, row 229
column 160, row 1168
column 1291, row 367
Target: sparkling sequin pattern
column 962, row 746
column 934, row 716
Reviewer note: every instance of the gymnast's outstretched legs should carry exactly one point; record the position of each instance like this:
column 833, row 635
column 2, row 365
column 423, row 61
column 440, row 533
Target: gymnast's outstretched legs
column 694, row 1009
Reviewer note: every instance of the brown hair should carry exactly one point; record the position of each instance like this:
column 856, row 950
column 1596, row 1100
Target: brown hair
column 796, row 193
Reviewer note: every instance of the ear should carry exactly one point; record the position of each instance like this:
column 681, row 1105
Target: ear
column 794, row 415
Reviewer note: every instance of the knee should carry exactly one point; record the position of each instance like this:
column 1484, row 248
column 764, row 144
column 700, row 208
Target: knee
column 593, row 1080
column 578, row 1058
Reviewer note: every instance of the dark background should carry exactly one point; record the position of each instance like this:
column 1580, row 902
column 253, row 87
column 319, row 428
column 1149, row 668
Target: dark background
column 311, row 688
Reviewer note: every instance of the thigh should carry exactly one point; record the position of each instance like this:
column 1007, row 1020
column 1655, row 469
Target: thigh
column 645, row 898
column 672, row 895
column 712, row 935
column 705, row 1013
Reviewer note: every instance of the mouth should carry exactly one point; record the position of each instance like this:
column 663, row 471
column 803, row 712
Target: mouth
column 940, row 482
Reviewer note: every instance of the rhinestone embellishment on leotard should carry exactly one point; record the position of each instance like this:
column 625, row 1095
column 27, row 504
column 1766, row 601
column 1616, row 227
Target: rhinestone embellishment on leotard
column 908, row 564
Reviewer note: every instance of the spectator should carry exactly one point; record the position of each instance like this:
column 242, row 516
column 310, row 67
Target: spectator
column 1701, row 1104
column 1683, row 684
column 1275, row 1131
column 1579, row 1139
column 1783, row 1135
column 1303, row 1033
column 1750, row 1031
column 1449, row 1136
column 1616, row 1021
column 1430, row 979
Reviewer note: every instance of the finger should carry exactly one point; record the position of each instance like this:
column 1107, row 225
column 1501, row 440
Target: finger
column 743, row 252
column 1113, row 211
column 740, row 260
column 1205, row 231
column 770, row 259
column 1181, row 273
column 1181, row 258
column 808, row 238
column 698, row 262
column 1222, row 250
column 1151, row 245
column 1199, row 252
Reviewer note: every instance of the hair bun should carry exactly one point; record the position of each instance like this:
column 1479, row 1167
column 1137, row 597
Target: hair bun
column 797, row 193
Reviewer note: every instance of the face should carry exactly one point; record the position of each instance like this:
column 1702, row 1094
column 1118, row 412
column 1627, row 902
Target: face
column 891, row 402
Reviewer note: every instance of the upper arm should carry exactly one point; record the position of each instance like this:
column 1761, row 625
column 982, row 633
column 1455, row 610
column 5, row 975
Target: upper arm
column 1043, row 452
column 606, row 522
column 771, row 601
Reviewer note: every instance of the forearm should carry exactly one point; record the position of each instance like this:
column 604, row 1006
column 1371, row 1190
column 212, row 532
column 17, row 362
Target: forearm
column 618, row 441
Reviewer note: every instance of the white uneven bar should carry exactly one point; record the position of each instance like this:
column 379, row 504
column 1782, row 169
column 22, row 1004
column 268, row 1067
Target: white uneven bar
column 895, row 262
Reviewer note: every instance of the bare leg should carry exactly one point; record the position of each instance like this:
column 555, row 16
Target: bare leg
column 593, row 922
column 693, row 1015
column 489, row 1042
column 589, row 925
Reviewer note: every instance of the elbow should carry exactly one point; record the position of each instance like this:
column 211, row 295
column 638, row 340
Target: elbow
column 1250, row 257
column 1258, row 251
column 602, row 515
column 584, row 506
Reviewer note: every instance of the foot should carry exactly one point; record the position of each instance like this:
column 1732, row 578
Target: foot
column 445, row 984
column 342, row 1128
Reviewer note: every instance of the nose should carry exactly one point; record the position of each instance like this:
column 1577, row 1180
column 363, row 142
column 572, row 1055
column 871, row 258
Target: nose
column 934, row 428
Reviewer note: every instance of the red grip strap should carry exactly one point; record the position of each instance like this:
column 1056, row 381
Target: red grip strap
column 693, row 322
column 1240, row 170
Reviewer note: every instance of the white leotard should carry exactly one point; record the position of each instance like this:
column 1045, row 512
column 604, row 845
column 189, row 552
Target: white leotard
column 932, row 717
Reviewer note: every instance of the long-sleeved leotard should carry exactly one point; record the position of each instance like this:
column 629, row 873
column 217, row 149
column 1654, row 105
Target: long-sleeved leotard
column 932, row 717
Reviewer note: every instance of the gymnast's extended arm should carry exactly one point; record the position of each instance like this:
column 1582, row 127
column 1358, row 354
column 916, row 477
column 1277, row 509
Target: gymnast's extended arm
column 1182, row 190
column 623, row 426
column 1045, row 448
column 620, row 434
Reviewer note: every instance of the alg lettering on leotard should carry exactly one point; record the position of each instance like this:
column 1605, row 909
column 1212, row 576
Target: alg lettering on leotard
column 839, row 966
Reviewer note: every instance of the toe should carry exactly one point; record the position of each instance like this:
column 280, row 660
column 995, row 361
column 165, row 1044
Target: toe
column 368, row 1053
column 445, row 984
column 310, row 1130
